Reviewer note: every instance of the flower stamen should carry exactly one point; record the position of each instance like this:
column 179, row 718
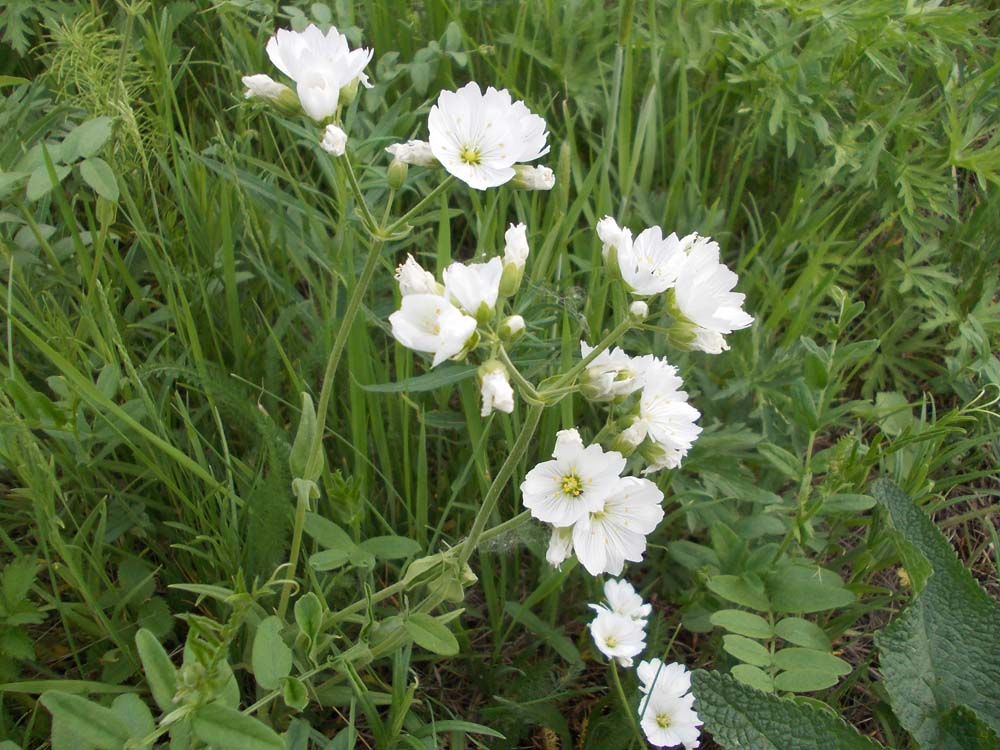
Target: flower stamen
column 572, row 485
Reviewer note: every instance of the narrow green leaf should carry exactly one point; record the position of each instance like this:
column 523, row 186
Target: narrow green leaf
column 454, row 725
column 440, row 377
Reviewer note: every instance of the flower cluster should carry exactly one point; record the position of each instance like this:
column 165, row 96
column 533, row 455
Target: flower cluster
column 594, row 511
column 698, row 286
column 449, row 319
column 666, row 711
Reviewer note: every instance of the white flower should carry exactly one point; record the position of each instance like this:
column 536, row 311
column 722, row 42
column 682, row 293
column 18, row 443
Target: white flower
column 618, row 637
column 320, row 64
column 264, row 87
column 613, row 236
column 516, row 249
column 576, row 482
column 474, row 285
column 666, row 712
column 511, row 328
column 417, row 153
column 611, row 374
column 638, row 309
column 608, row 536
column 334, row 140
column 480, row 137
column 703, row 295
column 623, row 599
column 560, row 546
column 649, row 265
column 665, row 418
column 430, row 323
column 413, row 279
column 668, row 677
column 527, row 177
column 495, row 389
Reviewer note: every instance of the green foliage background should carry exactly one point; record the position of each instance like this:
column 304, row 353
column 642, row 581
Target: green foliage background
column 169, row 299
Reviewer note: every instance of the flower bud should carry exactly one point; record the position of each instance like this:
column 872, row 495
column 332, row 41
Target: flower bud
column 397, row 174
column 334, row 140
column 511, row 329
column 417, row 153
column 495, row 387
column 413, row 279
column 278, row 95
column 638, row 310
column 628, row 439
column 515, row 255
column 527, row 177
column 349, row 92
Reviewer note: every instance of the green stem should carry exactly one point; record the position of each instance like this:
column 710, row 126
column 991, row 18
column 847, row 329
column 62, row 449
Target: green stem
column 616, row 333
column 301, row 506
column 625, row 704
column 517, row 452
column 441, row 186
column 507, row 526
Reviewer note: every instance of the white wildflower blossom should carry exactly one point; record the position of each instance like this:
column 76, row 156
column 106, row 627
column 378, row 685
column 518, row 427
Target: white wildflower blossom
column 607, row 537
column 618, row 637
column 264, row 87
column 577, row 481
column 703, row 296
column 430, row 323
column 516, row 246
column 474, row 287
column 623, row 599
column 321, row 66
column 413, row 279
column 611, row 374
column 666, row 711
column 650, row 263
column 527, row 177
column 495, row 389
column 560, row 546
column 479, row 137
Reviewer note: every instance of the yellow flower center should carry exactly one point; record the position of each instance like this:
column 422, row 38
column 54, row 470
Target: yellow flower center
column 663, row 720
column 470, row 156
column 572, row 485
column 611, row 641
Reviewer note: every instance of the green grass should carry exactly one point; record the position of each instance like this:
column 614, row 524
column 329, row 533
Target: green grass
column 156, row 346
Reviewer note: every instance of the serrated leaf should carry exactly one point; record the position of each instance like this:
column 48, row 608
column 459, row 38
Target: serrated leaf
column 437, row 378
column 271, row 657
column 742, row 623
column 746, row 650
column 96, row 173
column 810, row 658
column 802, row 633
column 87, row 722
column 227, row 729
column 16, row 580
column 740, row 717
column 753, row 676
column 739, row 591
column 804, row 680
column 430, row 634
column 943, row 650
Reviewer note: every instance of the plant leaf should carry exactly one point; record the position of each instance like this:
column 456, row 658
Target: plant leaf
column 430, row 634
column 227, row 729
column 740, row 717
column 943, row 650
column 437, row 378
column 160, row 672
column 271, row 657
column 96, row 173
column 87, row 722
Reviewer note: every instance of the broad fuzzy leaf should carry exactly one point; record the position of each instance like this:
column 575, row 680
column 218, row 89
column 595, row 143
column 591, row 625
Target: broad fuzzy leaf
column 740, row 717
column 944, row 650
